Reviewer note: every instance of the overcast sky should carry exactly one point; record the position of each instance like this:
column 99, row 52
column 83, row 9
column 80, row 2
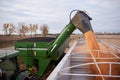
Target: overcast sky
column 105, row 14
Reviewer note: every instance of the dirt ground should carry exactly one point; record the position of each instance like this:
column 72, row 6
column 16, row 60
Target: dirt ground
column 8, row 41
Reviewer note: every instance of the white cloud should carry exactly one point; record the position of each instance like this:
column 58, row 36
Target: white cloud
column 105, row 3
column 55, row 13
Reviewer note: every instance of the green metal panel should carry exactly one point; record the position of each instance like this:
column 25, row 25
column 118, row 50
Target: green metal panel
column 27, row 57
column 41, row 53
column 30, row 51
column 43, row 65
column 54, row 56
column 27, row 53
column 24, row 44
column 42, row 44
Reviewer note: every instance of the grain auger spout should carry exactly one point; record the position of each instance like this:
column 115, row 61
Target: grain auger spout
column 81, row 21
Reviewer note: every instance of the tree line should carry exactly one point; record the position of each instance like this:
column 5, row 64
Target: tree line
column 23, row 29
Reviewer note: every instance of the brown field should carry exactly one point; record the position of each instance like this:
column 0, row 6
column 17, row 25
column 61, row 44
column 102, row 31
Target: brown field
column 114, row 39
column 7, row 41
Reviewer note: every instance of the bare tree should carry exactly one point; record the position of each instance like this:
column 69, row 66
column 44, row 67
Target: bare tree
column 5, row 28
column 23, row 30
column 44, row 29
column 11, row 29
column 20, row 31
column 33, row 28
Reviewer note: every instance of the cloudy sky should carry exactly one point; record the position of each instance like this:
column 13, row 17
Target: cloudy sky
column 55, row 13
